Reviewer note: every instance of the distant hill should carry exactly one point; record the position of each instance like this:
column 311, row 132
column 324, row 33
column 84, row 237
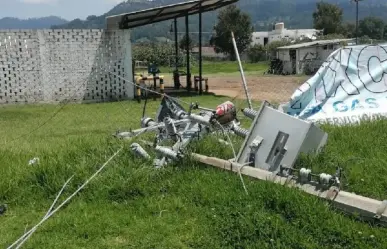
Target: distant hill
column 295, row 14
column 32, row 23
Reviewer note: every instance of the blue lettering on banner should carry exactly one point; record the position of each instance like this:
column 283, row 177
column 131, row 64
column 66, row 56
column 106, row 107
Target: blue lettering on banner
column 341, row 106
column 356, row 105
column 372, row 102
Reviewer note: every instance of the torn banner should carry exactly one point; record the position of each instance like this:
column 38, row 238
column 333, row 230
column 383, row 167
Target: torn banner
column 350, row 86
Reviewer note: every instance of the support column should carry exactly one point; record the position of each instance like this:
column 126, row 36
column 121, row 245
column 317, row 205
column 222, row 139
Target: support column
column 128, row 67
column 176, row 46
column 176, row 76
column 189, row 83
column 200, row 52
column 357, row 21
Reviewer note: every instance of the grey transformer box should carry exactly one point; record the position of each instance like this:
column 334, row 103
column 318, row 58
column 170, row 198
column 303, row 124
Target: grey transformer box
column 276, row 139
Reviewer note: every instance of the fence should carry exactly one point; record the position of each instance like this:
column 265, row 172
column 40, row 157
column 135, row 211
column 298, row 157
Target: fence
column 46, row 66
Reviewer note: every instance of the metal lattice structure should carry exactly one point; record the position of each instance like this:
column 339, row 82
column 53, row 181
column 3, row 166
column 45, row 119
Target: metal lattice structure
column 52, row 66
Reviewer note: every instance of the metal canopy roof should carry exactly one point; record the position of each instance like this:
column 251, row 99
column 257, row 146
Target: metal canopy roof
column 163, row 13
column 314, row 43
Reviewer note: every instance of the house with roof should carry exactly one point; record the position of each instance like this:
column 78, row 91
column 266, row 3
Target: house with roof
column 279, row 33
column 306, row 58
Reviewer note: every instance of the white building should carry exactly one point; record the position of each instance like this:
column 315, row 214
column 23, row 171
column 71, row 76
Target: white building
column 279, row 32
column 309, row 56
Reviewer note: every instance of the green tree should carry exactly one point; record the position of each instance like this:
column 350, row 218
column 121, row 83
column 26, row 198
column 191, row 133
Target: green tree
column 331, row 37
column 373, row 27
column 91, row 18
column 183, row 43
column 272, row 46
column 364, row 40
column 328, row 17
column 348, row 30
column 257, row 53
column 232, row 19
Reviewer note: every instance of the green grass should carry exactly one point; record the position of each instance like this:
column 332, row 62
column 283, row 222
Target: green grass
column 217, row 67
column 186, row 205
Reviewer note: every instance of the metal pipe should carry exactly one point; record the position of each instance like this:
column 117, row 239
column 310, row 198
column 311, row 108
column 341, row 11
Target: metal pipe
column 134, row 133
column 200, row 51
column 357, row 21
column 187, row 51
column 176, row 46
column 241, row 70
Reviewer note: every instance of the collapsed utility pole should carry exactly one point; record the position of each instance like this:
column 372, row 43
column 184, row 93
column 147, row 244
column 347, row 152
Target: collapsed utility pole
column 241, row 71
column 367, row 208
column 269, row 151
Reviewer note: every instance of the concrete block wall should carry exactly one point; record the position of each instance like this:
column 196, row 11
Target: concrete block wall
column 50, row 66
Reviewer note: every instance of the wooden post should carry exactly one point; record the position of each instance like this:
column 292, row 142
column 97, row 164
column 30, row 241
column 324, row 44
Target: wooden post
column 138, row 89
column 161, row 78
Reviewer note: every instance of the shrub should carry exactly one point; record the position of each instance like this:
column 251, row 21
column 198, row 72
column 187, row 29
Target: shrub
column 257, row 53
column 157, row 53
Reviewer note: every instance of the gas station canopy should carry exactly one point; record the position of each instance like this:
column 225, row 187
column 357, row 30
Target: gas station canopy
column 163, row 13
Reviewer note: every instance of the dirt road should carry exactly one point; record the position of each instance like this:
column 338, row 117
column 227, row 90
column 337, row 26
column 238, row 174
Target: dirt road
column 271, row 88
column 261, row 87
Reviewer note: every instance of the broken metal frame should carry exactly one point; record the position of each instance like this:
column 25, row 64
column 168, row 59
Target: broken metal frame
column 181, row 127
column 174, row 124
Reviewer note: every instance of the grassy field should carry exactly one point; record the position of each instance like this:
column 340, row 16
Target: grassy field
column 186, row 205
column 216, row 67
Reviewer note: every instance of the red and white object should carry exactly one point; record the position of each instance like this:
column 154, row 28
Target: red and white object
column 225, row 112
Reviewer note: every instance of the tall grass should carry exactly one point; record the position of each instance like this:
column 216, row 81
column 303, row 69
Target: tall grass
column 185, row 205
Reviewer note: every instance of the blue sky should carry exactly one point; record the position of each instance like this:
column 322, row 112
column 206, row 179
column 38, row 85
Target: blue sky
column 68, row 9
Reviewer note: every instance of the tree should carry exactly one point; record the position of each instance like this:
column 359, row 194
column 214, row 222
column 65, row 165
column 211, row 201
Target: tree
column 257, row 53
column 183, row 43
column 373, row 27
column 349, row 30
column 232, row 19
column 364, row 40
column 91, row 18
column 331, row 37
column 273, row 46
column 328, row 17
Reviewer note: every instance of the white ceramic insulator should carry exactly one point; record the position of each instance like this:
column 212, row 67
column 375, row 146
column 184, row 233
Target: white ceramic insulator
column 305, row 174
column 139, row 151
column 325, row 178
column 167, row 152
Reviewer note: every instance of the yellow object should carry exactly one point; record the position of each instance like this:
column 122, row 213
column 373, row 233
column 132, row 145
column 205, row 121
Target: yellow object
column 138, row 80
column 138, row 91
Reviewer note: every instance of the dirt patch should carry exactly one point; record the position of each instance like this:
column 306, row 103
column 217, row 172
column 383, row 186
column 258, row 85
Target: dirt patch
column 271, row 88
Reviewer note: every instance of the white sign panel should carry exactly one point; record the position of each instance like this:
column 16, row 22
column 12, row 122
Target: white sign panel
column 350, row 86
